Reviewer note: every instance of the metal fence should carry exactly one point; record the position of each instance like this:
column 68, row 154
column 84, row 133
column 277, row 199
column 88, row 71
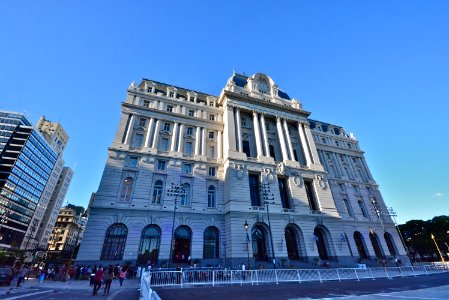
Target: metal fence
column 193, row 277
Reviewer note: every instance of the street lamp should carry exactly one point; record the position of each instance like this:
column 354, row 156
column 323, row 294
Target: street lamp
column 393, row 214
column 247, row 242
column 438, row 248
column 267, row 197
column 175, row 190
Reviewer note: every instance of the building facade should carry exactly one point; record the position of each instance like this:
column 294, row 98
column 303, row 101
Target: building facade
column 242, row 177
column 67, row 231
column 30, row 165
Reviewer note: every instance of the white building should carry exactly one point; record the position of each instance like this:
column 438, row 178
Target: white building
column 249, row 155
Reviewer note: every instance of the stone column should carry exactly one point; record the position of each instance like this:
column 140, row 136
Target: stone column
column 257, row 134
column 197, row 140
column 264, row 133
column 281, row 139
column 367, row 171
column 305, row 146
column 148, row 137
column 229, row 138
column 239, row 129
column 130, row 129
column 204, row 143
column 219, row 145
column 173, row 137
column 156, row 134
column 289, row 141
column 180, row 137
column 309, row 139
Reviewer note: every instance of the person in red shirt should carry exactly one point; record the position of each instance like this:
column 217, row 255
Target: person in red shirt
column 97, row 280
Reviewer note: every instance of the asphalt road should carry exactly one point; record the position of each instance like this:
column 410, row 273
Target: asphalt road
column 52, row 294
column 314, row 290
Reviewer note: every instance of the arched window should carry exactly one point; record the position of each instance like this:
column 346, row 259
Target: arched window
column 149, row 245
column 211, row 197
column 322, row 243
column 362, row 208
column 185, row 197
column 376, row 244
column 390, row 244
column 291, row 240
column 211, row 242
column 157, row 192
column 114, row 242
column 127, row 189
column 181, row 249
column 259, row 243
column 360, row 244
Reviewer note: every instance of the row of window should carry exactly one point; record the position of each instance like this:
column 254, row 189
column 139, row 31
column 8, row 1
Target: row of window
column 161, row 165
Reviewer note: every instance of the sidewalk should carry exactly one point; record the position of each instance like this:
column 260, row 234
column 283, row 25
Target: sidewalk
column 70, row 285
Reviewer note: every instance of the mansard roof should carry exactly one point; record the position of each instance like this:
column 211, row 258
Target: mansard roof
column 241, row 80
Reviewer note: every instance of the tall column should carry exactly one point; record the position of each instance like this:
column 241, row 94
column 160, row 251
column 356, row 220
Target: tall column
column 130, row 129
column 305, row 146
column 289, row 141
column 367, row 171
column 219, row 145
column 180, row 137
column 148, row 136
column 239, row 129
column 156, row 134
column 309, row 139
column 229, row 139
column 173, row 137
column 204, row 143
column 197, row 140
column 264, row 133
column 281, row 139
column 257, row 134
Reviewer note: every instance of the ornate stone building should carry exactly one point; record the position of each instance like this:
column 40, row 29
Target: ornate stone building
column 187, row 171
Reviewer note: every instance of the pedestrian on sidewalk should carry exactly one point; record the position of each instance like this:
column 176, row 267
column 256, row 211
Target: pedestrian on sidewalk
column 97, row 280
column 92, row 275
column 23, row 271
column 122, row 275
column 107, row 278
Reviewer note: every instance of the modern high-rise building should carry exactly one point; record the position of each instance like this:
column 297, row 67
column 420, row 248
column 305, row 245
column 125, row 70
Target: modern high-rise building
column 242, row 177
column 30, row 165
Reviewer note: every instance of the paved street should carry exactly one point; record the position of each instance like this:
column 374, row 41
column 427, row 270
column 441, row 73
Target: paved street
column 73, row 290
column 406, row 288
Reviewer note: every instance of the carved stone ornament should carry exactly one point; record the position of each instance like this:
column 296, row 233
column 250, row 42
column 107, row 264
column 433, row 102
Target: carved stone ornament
column 281, row 168
column 298, row 180
column 240, row 170
column 270, row 176
column 322, row 181
column 132, row 85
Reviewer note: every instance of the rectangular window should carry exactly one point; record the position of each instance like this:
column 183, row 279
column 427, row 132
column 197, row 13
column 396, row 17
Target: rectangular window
column 254, row 193
column 212, row 171
column 211, row 152
column 132, row 163
column 272, row 152
column 191, row 113
column 188, row 149
column 138, row 140
column 167, row 126
column 342, row 187
column 187, row 168
column 246, row 148
column 244, row 122
column 164, row 144
column 146, row 103
column 362, row 208
column 211, row 134
column 142, row 122
column 348, row 207
column 212, row 117
column 310, row 191
column 283, row 191
column 189, row 131
column 211, row 103
column 171, row 94
column 170, row 108
column 161, row 165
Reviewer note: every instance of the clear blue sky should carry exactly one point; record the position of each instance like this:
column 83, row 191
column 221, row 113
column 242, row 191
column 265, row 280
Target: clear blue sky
column 378, row 68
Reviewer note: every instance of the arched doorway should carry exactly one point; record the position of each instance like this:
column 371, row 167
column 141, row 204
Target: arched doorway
column 259, row 238
column 376, row 244
column 292, row 242
column 211, row 242
column 149, row 244
column 114, row 242
column 181, row 249
column 360, row 244
column 322, row 243
column 390, row 244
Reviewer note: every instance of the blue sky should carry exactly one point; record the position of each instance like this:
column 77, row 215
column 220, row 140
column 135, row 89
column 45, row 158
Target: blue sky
column 378, row 68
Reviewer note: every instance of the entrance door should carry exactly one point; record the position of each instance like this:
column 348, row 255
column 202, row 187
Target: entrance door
column 181, row 251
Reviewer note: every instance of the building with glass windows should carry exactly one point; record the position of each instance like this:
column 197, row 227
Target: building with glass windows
column 29, row 170
column 242, row 177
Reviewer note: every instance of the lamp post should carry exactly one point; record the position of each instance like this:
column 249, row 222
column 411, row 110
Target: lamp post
column 83, row 217
column 176, row 190
column 247, row 242
column 438, row 248
column 378, row 211
column 267, row 197
column 393, row 214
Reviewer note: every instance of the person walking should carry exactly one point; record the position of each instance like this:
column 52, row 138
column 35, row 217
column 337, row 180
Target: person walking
column 23, row 271
column 92, row 275
column 107, row 278
column 122, row 275
column 97, row 280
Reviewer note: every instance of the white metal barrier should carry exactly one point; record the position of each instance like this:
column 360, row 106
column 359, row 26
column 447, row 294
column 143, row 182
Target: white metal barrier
column 193, row 277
